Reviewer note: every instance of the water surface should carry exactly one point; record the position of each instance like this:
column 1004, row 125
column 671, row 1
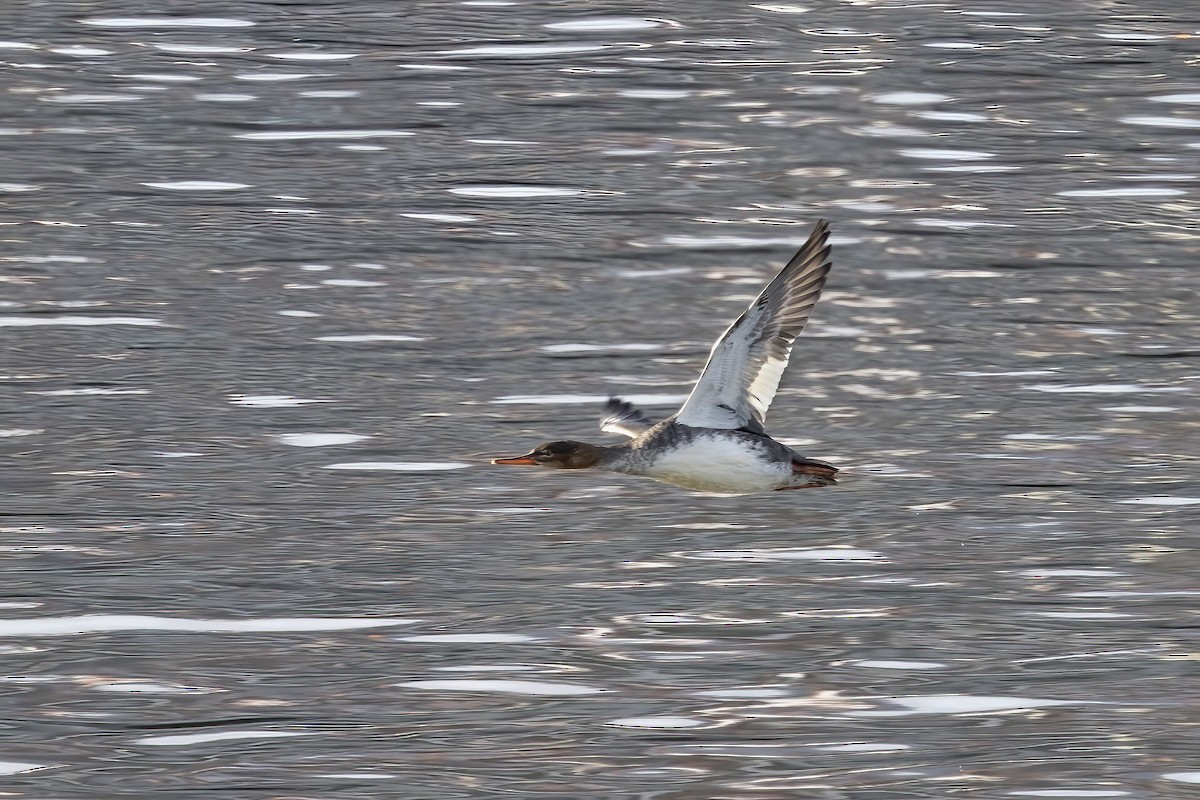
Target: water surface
column 279, row 278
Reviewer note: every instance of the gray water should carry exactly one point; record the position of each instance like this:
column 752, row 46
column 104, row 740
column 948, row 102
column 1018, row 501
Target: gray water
column 279, row 278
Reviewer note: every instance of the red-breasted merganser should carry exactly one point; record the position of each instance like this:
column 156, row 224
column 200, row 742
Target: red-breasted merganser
column 716, row 442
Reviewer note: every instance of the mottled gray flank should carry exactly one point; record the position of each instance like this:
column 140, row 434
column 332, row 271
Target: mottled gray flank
column 234, row 228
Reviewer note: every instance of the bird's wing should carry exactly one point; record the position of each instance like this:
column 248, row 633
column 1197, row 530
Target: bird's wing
column 743, row 371
column 621, row 417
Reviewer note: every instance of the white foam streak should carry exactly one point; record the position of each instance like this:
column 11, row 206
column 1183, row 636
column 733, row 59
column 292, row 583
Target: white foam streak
column 400, row 466
column 71, row 319
column 103, row 623
column 533, row 688
column 203, row 738
column 288, row 136
column 167, row 22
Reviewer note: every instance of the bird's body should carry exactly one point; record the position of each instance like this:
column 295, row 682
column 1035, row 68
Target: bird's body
column 713, row 460
column 716, row 442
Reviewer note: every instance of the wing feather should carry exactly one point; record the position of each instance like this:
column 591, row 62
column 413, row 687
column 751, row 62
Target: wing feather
column 743, row 371
column 622, row 418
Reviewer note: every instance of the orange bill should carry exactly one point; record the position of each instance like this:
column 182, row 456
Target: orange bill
column 517, row 461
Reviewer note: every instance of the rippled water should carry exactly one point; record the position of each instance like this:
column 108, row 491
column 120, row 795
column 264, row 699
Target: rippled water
column 279, row 277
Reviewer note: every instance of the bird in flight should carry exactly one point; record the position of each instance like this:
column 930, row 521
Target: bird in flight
column 716, row 442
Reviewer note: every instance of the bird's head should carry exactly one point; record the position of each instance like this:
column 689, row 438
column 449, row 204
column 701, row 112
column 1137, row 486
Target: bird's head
column 556, row 455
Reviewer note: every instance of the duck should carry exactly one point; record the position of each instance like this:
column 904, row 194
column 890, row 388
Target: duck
column 717, row 443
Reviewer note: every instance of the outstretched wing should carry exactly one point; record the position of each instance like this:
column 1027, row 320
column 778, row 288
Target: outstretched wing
column 743, row 371
column 621, row 417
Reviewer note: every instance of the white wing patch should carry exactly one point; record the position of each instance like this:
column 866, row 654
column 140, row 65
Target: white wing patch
column 743, row 371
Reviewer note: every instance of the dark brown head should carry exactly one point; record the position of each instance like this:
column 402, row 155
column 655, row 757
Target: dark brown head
column 557, row 455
